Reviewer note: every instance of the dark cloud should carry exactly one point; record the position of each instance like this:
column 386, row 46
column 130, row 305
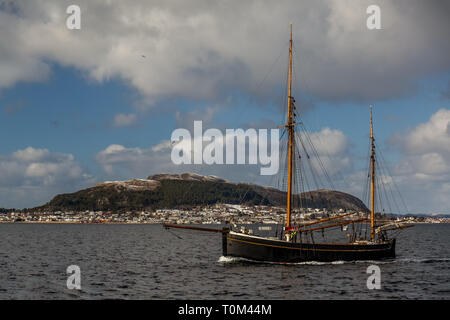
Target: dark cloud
column 207, row 50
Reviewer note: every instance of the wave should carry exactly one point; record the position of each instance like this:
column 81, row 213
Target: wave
column 224, row 259
column 425, row 260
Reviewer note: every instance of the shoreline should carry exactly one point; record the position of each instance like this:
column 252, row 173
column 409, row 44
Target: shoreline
column 154, row 223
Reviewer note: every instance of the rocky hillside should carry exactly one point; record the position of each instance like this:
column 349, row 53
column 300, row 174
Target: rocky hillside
column 189, row 190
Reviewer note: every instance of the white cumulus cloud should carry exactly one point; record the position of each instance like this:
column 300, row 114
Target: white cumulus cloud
column 32, row 176
column 424, row 168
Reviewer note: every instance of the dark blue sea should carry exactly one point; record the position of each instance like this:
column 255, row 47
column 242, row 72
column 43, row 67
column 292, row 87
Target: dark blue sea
column 148, row 262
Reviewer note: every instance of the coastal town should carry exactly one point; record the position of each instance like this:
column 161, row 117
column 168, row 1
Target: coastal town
column 214, row 214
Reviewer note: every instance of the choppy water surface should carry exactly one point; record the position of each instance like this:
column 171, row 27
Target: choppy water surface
column 148, row 262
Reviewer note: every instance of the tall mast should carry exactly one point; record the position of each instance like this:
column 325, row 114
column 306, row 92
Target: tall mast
column 290, row 127
column 372, row 180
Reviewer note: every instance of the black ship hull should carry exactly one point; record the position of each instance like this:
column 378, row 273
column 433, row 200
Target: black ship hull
column 271, row 250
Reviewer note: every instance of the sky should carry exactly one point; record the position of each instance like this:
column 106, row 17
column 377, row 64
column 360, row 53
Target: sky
column 78, row 107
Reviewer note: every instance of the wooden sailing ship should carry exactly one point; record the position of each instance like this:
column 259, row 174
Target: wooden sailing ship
column 292, row 245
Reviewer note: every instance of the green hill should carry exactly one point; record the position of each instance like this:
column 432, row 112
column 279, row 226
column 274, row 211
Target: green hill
column 188, row 190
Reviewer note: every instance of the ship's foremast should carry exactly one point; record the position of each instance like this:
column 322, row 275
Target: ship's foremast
column 290, row 127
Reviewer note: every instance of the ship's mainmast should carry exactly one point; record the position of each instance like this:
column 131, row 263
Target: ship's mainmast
column 372, row 178
column 290, row 128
